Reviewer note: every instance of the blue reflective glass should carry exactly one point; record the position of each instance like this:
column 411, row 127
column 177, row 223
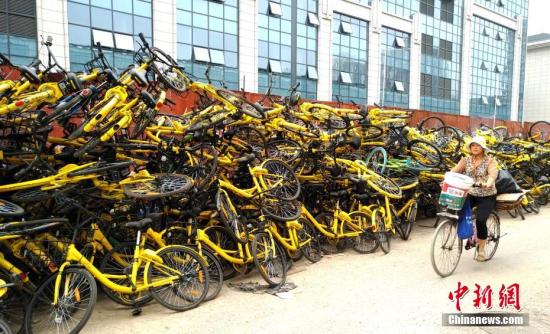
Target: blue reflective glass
column 79, row 35
column 215, row 40
column 231, row 42
column 200, row 37
column 77, row 13
column 123, row 6
column 102, row 18
column 184, row 34
column 144, row 25
column 142, row 8
column 123, row 22
column 101, row 3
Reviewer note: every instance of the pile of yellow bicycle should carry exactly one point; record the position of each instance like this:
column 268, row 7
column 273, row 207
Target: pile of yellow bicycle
column 99, row 185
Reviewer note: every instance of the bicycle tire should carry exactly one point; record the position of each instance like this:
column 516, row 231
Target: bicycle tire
column 224, row 239
column 110, row 265
column 4, row 327
column 246, row 107
column 329, row 245
column 269, row 258
column 9, row 209
column 385, row 186
column 100, row 167
column 254, row 138
column 383, row 237
column 230, row 218
column 493, row 235
column 365, row 132
column 312, row 250
column 545, row 126
column 513, row 213
column 283, row 149
column 448, row 233
column 200, row 164
column 44, row 296
column 366, row 242
column 452, row 145
column 208, row 121
column 163, row 185
column 425, row 153
column 410, row 219
column 192, row 270
column 142, row 122
column 281, row 211
column 169, row 73
column 372, row 161
column 420, row 125
column 281, row 181
column 215, row 274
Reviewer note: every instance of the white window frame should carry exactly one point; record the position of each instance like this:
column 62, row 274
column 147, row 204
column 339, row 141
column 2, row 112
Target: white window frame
column 345, row 27
column 398, row 86
column 124, row 42
column 497, row 101
column 103, row 37
column 214, row 60
column 274, row 66
column 275, row 9
column 399, row 42
column 312, row 73
column 201, row 54
column 484, row 100
column 312, row 19
column 345, row 77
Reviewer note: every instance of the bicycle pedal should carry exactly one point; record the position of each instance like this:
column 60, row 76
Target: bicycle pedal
column 136, row 311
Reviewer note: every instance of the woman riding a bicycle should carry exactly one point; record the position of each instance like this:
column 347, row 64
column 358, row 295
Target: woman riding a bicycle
column 483, row 169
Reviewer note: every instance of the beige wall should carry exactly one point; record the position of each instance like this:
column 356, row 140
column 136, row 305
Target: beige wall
column 537, row 84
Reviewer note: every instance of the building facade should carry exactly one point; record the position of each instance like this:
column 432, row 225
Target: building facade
column 456, row 56
column 537, row 91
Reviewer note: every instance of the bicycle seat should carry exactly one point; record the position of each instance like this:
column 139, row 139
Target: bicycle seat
column 30, row 74
column 148, row 99
column 139, row 224
column 74, row 82
column 9, row 209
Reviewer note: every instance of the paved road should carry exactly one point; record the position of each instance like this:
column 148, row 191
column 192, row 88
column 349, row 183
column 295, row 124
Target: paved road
column 374, row 293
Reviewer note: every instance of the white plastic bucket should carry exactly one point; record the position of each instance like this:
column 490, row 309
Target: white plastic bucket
column 454, row 190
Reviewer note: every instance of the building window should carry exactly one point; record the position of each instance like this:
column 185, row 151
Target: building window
column 18, row 31
column 445, row 49
column 275, row 9
column 403, row 8
column 427, row 44
column 491, row 82
column 425, row 85
column 441, row 42
column 447, row 10
column 295, row 54
column 349, row 58
column 113, row 23
column 207, row 35
column 427, row 7
column 394, row 75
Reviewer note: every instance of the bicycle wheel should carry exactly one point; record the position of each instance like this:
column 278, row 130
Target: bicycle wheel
column 384, row 186
column 190, row 278
column 99, row 167
column 493, row 236
column 208, row 121
column 366, row 242
column 77, row 297
column 9, row 209
column 280, row 180
column 377, row 159
column 254, row 139
column 142, row 121
column 283, row 149
column 269, row 258
column 425, row 153
column 230, row 218
column 448, row 140
column 329, row 245
column 312, row 249
column 223, row 239
column 410, row 219
column 430, row 123
column 162, row 185
column 4, row 327
column 240, row 103
column 215, row 274
column 540, row 132
column 365, row 132
column 281, row 210
column 446, row 248
column 168, row 71
column 513, row 213
column 200, row 164
column 382, row 235
column 30, row 195
column 118, row 261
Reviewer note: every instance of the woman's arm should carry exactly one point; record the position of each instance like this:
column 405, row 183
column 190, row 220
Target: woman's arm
column 493, row 173
column 460, row 166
